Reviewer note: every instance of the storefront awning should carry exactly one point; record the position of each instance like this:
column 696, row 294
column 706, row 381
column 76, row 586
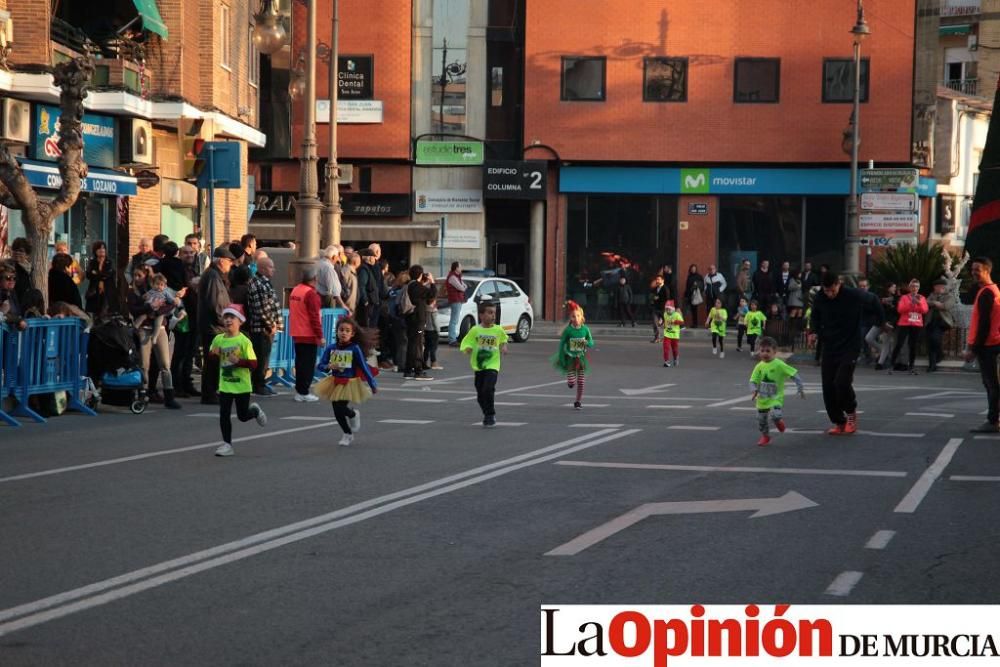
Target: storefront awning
column 960, row 29
column 45, row 175
column 271, row 229
column 151, row 19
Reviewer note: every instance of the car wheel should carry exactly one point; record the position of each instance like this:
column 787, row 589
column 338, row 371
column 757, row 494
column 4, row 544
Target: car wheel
column 467, row 324
column 523, row 330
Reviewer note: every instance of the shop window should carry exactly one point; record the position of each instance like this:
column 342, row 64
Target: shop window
column 838, row 80
column 253, row 69
column 757, row 80
column 225, row 34
column 450, row 39
column 583, row 79
column 759, row 228
column 665, row 80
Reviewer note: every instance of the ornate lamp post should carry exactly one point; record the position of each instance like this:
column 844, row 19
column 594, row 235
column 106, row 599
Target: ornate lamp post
column 860, row 31
column 268, row 34
column 330, row 230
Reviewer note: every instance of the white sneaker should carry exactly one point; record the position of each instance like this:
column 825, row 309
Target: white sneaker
column 346, row 440
column 677, row 362
column 722, row 355
column 307, row 398
column 261, row 416
column 225, row 449
column 715, row 350
column 355, row 421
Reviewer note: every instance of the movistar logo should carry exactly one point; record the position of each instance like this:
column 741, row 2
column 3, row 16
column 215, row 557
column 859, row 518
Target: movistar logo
column 694, row 181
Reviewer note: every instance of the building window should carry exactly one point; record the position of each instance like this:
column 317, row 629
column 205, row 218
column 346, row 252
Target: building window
column 665, row 80
column 226, row 35
column 253, row 70
column 583, row 79
column 838, row 80
column 757, row 80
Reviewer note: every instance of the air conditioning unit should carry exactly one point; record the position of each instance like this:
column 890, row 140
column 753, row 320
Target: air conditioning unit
column 136, row 142
column 15, row 121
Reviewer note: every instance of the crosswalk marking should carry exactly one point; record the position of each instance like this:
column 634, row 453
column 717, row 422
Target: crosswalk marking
column 596, row 425
column 406, row 421
column 693, row 428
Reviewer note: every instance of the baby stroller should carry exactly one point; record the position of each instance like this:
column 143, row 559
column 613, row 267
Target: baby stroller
column 115, row 365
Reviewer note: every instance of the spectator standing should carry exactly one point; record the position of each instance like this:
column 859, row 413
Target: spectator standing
column 61, row 285
column 883, row 339
column 349, row 282
column 419, row 291
column 144, row 253
column 249, row 244
column 172, row 267
column 939, row 319
column 694, row 292
column 239, row 286
column 809, row 278
column 796, row 302
column 306, row 329
column 21, row 255
column 202, row 261
column 911, row 308
column 455, row 287
column 103, row 297
column 781, row 282
column 213, row 298
column 369, row 291
column 658, row 297
column 715, row 285
column 623, row 301
column 670, row 282
column 984, row 340
column 186, row 331
column 763, row 286
column 328, row 280
column 744, row 281
column 75, row 272
column 263, row 320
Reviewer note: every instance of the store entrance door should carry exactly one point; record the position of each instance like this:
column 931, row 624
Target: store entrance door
column 510, row 261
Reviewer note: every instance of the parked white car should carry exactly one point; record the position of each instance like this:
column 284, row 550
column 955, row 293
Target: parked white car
column 516, row 315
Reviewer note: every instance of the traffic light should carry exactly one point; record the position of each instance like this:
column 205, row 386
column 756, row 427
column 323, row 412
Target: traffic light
column 194, row 163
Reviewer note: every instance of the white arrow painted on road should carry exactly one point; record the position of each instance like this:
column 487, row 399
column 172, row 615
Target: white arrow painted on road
column 646, row 390
column 789, row 502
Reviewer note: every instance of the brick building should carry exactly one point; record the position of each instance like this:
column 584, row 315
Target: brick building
column 165, row 69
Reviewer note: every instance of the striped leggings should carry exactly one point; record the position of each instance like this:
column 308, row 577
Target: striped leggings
column 577, row 377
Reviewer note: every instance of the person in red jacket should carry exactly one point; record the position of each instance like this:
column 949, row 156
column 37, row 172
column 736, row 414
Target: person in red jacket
column 911, row 308
column 306, row 329
column 984, row 340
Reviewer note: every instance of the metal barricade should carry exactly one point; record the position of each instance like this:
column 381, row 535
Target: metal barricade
column 8, row 370
column 282, row 361
column 49, row 360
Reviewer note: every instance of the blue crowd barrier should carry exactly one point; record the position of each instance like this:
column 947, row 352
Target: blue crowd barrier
column 49, row 358
column 282, row 360
column 8, row 371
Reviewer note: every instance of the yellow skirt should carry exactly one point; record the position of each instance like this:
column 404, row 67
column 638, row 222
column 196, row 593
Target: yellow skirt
column 355, row 390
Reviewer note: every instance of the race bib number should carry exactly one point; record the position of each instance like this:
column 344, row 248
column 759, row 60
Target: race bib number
column 577, row 344
column 487, row 342
column 671, row 328
column 341, row 360
column 229, row 356
column 768, row 390
column 915, row 318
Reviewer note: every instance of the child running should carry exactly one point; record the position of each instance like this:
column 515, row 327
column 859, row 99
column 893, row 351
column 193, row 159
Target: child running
column 571, row 358
column 345, row 360
column 236, row 362
column 672, row 323
column 484, row 343
column 741, row 323
column 768, row 385
column 755, row 325
column 716, row 323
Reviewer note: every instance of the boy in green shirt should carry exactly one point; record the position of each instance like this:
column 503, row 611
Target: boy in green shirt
column 672, row 323
column 768, row 385
column 755, row 324
column 716, row 323
column 236, row 361
column 484, row 343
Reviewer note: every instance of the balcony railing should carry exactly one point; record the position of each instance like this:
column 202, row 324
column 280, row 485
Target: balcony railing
column 118, row 59
column 964, row 86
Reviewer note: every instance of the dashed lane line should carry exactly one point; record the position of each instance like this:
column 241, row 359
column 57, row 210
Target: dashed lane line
column 501, row 424
column 406, row 421
column 693, row 428
column 424, row 400
column 734, row 469
column 844, row 583
column 596, row 425
column 519, row 389
column 309, row 419
column 974, row 478
column 938, row 415
column 588, row 405
column 668, row 407
column 880, row 540
column 911, row 501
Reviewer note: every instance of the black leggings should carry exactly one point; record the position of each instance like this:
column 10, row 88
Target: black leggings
column 243, row 412
column 486, row 387
column 903, row 334
column 343, row 413
column 718, row 341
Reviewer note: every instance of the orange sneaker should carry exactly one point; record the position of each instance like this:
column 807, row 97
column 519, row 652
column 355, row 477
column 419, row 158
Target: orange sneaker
column 836, row 429
column 764, row 441
column 780, row 425
column 852, row 423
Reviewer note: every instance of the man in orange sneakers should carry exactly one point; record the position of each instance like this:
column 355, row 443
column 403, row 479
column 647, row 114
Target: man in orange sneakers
column 837, row 313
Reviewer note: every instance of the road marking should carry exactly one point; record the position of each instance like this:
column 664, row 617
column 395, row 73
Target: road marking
column 454, row 379
column 986, row 437
column 844, row 583
column 163, row 452
column 202, row 414
column 668, row 407
column 693, row 428
column 880, row 540
column 648, row 390
column 911, row 500
column 690, row 468
column 892, row 435
column 744, row 409
column 501, row 424
column 588, row 405
column 596, row 425
column 823, row 412
column 517, row 389
column 622, row 398
column 309, row 419
column 99, row 593
column 941, row 415
column 406, row 421
column 508, row 405
column 425, row 388
column 424, row 400
column 805, row 431
column 973, row 478
column 731, row 401
column 789, row 502
column 951, row 393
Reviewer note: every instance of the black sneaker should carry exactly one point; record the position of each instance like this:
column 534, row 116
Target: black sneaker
column 986, row 427
column 577, row 405
column 879, row 367
column 422, row 376
column 489, row 421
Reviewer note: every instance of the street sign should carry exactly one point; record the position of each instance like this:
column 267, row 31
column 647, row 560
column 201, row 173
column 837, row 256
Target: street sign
column 891, row 223
column 885, row 241
column 889, row 180
column 514, row 179
column 147, row 179
column 697, row 209
column 899, row 202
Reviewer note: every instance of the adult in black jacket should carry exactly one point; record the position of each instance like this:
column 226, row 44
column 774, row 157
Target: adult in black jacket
column 103, row 296
column 763, row 285
column 695, row 283
column 369, row 290
column 420, row 290
column 172, row 267
column 61, row 285
column 836, row 322
column 659, row 294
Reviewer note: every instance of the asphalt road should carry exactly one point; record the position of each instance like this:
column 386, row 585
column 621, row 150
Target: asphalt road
column 432, row 541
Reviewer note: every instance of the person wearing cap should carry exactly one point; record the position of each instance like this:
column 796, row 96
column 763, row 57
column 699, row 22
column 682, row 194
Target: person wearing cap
column 306, row 329
column 236, row 360
column 213, row 298
column 328, row 284
column 369, row 288
column 939, row 319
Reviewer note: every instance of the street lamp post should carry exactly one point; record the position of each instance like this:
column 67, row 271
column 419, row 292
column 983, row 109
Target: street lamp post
column 332, row 212
column 307, row 208
column 860, row 31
